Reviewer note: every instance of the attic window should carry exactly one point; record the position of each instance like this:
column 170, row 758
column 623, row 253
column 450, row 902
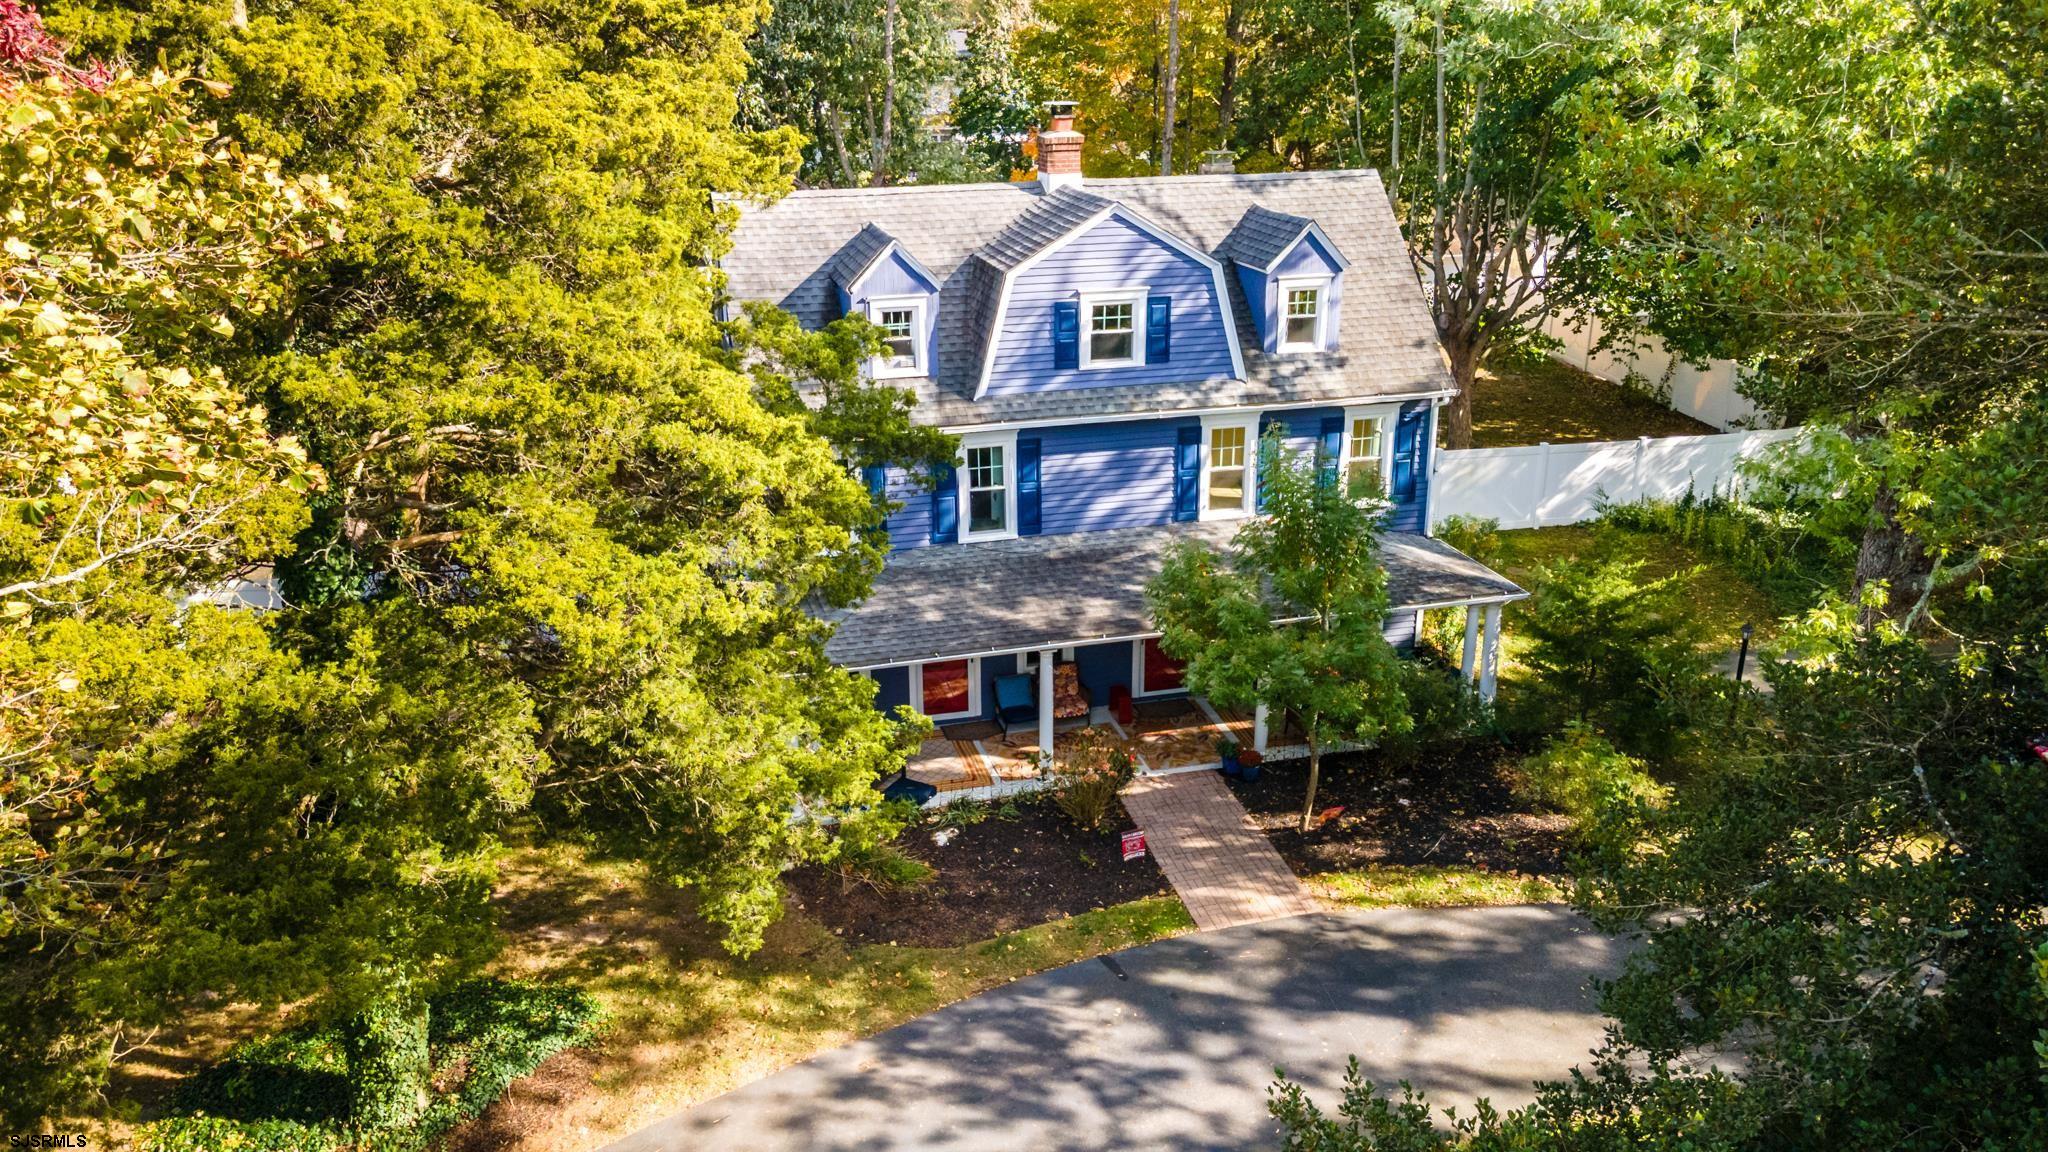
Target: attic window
column 902, row 323
column 1303, row 304
column 1115, row 334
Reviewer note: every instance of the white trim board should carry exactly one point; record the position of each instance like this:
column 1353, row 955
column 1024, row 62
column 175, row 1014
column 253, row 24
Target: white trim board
column 1183, row 413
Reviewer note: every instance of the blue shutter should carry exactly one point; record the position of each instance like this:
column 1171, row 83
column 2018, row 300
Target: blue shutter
column 1266, row 463
column 1158, row 329
column 1187, row 473
column 876, row 478
column 1330, row 450
column 1030, row 521
column 1408, row 450
column 945, row 506
column 1066, row 334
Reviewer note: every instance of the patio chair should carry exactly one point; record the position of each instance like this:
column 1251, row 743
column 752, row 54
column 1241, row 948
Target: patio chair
column 1016, row 701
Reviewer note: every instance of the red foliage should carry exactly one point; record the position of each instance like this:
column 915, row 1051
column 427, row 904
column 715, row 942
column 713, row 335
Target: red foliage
column 28, row 51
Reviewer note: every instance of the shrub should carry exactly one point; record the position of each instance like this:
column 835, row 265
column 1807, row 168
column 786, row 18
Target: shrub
column 291, row 1092
column 1474, row 536
column 1441, row 707
column 1582, row 775
column 1089, row 800
column 1095, row 767
column 865, row 851
column 1618, row 650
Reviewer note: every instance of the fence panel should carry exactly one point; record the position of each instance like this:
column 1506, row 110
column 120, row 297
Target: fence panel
column 1546, row 485
column 1706, row 394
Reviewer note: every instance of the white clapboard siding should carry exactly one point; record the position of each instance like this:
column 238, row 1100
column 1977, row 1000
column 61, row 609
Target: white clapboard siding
column 1545, row 485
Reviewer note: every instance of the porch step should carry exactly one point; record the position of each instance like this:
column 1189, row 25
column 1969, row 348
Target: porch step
column 1221, row 865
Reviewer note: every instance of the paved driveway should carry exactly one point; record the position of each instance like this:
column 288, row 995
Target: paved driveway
column 1176, row 1050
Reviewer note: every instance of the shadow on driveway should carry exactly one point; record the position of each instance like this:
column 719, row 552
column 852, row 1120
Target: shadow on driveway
column 1178, row 1050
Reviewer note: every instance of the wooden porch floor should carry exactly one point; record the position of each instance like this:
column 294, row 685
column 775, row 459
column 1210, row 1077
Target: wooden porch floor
column 1165, row 735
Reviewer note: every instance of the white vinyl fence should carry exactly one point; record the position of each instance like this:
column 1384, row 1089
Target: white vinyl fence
column 1545, row 485
column 1707, row 395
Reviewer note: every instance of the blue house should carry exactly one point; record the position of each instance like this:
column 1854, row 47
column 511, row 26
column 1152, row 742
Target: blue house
column 1110, row 353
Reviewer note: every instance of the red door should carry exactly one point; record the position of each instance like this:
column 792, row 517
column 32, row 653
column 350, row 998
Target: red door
column 1162, row 672
column 946, row 688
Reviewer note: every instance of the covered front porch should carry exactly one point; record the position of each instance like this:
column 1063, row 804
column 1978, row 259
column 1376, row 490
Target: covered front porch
column 1011, row 644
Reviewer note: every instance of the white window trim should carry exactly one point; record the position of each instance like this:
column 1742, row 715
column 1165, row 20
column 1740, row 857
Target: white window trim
column 879, row 368
column 1280, row 289
column 1007, row 441
column 1248, row 421
column 1138, row 689
column 1136, row 298
column 973, row 689
column 1387, row 415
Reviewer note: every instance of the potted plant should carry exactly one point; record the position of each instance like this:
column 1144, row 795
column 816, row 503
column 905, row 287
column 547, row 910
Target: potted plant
column 1248, row 762
column 1227, row 752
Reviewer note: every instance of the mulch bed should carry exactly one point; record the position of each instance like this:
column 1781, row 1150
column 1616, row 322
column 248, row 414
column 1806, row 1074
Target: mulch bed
column 1450, row 806
column 996, row 876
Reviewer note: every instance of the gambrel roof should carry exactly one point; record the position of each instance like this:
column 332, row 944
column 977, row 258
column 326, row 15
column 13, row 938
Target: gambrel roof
column 967, row 235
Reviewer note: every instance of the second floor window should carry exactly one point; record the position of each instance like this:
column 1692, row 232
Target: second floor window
column 1229, row 470
column 988, row 490
column 1112, row 332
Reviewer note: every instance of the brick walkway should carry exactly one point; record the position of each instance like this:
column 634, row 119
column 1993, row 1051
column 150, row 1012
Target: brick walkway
column 1224, row 868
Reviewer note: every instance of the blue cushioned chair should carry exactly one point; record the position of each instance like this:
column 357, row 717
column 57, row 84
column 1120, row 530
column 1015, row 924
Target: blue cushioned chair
column 1016, row 701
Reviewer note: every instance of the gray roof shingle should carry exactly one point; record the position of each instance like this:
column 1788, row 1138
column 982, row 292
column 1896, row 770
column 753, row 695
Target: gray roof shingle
column 781, row 253
column 857, row 255
column 1052, row 591
column 1262, row 236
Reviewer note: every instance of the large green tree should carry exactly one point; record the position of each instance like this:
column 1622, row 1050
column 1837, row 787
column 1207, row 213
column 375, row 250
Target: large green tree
column 568, row 543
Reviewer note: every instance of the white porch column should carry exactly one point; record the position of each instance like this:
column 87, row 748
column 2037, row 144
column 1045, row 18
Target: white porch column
column 1046, row 660
column 1259, row 733
column 1465, row 666
column 1489, row 665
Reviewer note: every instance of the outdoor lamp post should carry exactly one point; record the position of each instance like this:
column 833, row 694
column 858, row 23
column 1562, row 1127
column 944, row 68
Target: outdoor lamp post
column 1742, row 653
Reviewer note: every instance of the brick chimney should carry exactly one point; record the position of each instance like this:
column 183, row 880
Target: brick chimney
column 1059, row 148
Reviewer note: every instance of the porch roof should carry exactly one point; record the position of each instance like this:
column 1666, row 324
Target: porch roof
column 1055, row 591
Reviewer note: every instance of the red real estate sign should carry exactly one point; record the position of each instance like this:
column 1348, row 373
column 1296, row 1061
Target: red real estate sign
column 1134, row 844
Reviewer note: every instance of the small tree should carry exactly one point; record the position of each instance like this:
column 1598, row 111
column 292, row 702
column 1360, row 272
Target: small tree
column 1292, row 615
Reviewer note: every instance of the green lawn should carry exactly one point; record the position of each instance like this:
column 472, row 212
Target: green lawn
column 690, row 1022
column 1395, row 886
column 1529, row 402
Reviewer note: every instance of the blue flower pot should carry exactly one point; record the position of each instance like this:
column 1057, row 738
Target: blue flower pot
column 1248, row 772
column 1231, row 766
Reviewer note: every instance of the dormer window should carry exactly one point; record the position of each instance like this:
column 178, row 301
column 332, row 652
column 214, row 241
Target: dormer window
column 1303, row 311
column 901, row 320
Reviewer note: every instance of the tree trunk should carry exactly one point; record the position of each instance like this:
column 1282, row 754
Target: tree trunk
column 1464, row 372
column 838, row 125
column 1226, row 90
column 1315, row 771
column 386, row 1046
column 1172, row 76
column 880, row 150
column 1889, row 555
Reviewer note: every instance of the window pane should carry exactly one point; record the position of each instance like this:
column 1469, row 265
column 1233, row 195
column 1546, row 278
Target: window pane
column 1302, row 301
column 985, row 511
column 1226, row 489
column 1110, row 318
column 1109, row 346
column 899, row 327
column 1301, row 330
column 1363, row 477
column 985, row 467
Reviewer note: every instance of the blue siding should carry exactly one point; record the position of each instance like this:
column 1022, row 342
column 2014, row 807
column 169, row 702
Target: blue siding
column 892, row 688
column 1309, row 258
column 1112, row 255
column 1103, row 667
column 1262, row 291
column 911, row 525
column 1102, row 476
